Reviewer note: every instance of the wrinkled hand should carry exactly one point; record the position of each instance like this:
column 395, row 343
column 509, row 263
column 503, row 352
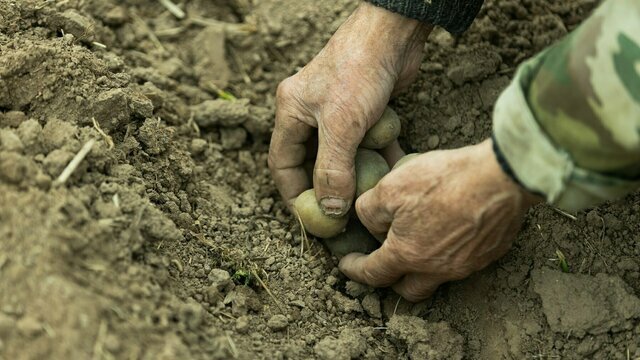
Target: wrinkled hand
column 446, row 214
column 342, row 92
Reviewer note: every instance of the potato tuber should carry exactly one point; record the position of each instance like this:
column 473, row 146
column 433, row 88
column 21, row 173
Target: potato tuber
column 355, row 239
column 370, row 168
column 405, row 159
column 314, row 220
column 384, row 132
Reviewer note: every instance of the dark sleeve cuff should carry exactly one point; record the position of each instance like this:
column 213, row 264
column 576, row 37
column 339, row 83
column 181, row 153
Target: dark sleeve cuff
column 506, row 168
column 455, row 16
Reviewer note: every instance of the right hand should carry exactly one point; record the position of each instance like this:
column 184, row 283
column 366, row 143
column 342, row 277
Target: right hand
column 342, row 92
column 444, row 214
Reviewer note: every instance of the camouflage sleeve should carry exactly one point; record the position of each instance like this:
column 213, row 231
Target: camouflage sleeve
column 569, row 124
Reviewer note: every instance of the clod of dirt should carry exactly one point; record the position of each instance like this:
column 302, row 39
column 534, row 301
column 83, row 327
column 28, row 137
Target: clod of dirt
column 7, row 325
column 29, row 327
column 221, row 112
column 29, row 132
column 220, row 285
column 580, row 304
column 588, row 346
column 491, row 89
column 171, row 348
column 191, row 314
column 57, row 133
column 233, row 138
column 351, row 344
column 423, row 340
column 114, row 108
column 10, row 141
column 172, row 67
column 16, row 169
column 278, row 322
column 209, row 58
column 155, row 139
column 57, row 160
column 243, row 299
column 72, row 22
column 346, row 305
column 12, row 118
column 198, row 146
column 115, row 16
column 242, row 324
column 356, row 289
column 474, row 64
column 371, row 304
column 220, row 279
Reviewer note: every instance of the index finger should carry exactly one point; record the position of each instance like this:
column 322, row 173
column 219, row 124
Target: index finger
column 381, row 268
column 287, row 153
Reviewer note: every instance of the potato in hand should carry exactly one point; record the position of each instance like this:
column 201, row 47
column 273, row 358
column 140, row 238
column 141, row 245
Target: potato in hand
column 384, row 132
column 314, row 220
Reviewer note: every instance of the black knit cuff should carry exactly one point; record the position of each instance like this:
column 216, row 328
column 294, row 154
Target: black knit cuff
column 455, row 16
column 506, row 168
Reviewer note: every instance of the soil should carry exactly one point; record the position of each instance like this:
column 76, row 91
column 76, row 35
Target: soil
column 169, row 240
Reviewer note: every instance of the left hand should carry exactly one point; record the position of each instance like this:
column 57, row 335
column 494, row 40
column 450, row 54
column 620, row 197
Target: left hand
column 445, row 214
column 324, row 111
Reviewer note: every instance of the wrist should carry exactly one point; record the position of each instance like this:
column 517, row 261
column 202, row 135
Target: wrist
column 395, row 28
column 389, row 33
column 499, row 166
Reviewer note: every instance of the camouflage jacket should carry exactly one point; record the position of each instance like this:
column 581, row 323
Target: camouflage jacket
column 568, row 126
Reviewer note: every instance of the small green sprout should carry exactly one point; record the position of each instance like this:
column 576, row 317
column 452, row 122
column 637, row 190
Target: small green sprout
column 563, row 261
column 242, row 277
column 225, row 95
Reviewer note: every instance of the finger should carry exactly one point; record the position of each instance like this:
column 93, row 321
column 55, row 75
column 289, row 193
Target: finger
column 379, row 269
column 373, row 212
column 416, row 287
column 392, row 153
column 287, row 155
column 334, row 174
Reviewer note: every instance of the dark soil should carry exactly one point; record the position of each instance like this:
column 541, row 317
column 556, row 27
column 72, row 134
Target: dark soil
column 170, row 240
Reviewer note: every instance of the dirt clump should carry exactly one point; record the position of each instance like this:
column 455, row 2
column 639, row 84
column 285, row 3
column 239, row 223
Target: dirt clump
column 426, row 340
column 583, row 304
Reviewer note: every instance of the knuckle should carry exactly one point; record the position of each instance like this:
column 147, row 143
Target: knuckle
column 285, row 89
column 385, row 190
column 460, row 271
column 288, row 98
column 361, row 207
column 271, row 160
column 372, row 279
column 344, row 125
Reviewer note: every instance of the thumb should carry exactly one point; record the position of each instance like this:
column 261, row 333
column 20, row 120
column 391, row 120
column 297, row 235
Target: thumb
column 334, row 177
column 373, row 212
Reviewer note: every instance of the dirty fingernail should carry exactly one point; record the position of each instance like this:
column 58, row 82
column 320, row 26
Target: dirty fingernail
column 334, row 206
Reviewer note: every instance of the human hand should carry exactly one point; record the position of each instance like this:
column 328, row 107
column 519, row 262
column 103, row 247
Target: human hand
column 445, row 214
column 342, row 92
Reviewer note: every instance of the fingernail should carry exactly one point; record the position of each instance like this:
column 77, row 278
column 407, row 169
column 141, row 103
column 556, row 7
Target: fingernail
column 334, row 206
